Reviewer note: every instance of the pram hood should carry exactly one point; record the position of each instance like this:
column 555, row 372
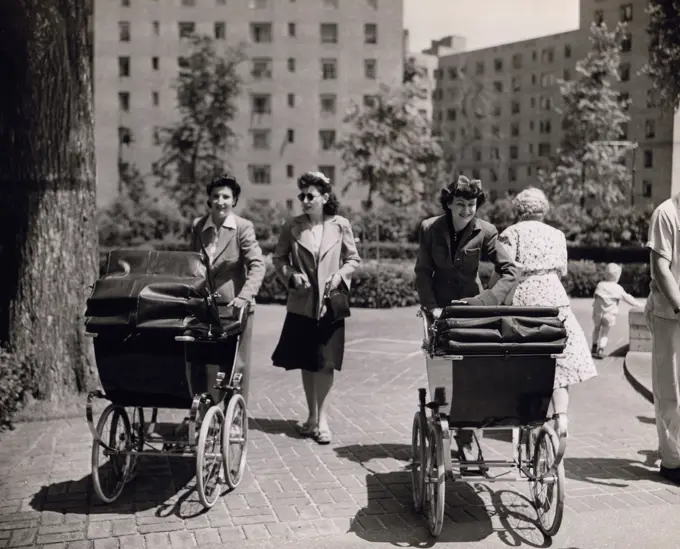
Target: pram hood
column 149, row 290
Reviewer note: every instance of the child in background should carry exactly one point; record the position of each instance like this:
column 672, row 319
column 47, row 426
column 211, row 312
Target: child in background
column 608, row 294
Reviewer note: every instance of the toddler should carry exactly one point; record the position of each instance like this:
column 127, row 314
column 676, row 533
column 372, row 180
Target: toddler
column 608, row 294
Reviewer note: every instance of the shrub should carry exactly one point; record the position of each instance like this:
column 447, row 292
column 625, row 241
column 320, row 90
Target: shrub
column 11, row 386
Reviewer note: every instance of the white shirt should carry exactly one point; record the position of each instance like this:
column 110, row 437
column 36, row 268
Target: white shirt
column 228, row 223
column 317, row 235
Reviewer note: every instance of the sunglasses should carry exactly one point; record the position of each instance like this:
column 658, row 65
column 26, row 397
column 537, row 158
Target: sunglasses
column 308, row 196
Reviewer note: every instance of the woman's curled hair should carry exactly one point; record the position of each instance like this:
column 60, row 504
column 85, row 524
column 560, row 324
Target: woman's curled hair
column 468, row 189
column 224, row 180
column 323, row 185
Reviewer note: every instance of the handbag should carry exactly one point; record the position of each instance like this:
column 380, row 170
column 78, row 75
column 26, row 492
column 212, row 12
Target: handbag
column 337, row 305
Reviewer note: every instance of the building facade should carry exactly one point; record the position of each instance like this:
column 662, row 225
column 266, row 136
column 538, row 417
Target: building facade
column 496, row 107
column 307, row 60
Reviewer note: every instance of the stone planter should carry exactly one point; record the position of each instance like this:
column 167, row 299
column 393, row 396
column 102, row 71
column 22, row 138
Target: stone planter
column 640, row 336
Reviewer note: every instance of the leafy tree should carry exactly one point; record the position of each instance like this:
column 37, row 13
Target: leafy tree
column 48, row 244
column 664, row 49
column 389, row 147
column 590, row 165
column 194, row 148
column 266, row 219
column 136, row 218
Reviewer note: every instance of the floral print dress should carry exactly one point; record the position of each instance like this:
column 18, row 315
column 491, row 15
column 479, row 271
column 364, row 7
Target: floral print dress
column 541, row 253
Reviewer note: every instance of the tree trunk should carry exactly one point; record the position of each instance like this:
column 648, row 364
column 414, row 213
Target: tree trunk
column 48, row 234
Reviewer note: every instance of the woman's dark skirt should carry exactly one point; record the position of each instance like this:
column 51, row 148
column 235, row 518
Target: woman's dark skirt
column 310, row 344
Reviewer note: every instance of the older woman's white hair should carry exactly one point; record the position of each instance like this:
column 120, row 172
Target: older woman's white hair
column 531, row 203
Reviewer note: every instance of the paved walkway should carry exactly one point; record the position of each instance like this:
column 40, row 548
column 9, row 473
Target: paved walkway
column 356, row 491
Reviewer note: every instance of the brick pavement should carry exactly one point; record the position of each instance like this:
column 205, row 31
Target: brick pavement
column 297, row 490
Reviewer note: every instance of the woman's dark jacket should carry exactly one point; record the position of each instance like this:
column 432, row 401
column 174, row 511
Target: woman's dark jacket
column 440, row 279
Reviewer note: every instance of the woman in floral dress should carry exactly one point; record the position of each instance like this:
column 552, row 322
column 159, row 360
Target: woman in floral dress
column 540, row 252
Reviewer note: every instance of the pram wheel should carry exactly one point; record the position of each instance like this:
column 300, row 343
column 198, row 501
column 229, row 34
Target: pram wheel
column 111, row 464
column 435, row 480
column 235, row 440
column 209, row 457
column 548, row 488
column 419, row 459
column 138, row 433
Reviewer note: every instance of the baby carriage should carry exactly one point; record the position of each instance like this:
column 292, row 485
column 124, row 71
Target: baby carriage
column 161, row 340
column 489, row 368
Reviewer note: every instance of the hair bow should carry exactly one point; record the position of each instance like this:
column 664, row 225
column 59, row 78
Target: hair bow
column 463, row 181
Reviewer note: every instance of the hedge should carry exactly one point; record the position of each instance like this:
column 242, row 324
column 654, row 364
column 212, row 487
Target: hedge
column 390, row 283
column 11, row 387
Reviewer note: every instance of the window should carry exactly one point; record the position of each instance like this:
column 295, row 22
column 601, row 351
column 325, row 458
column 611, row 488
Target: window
column 623, row 134
column 291, row 100
column 477, row 154
column 124, row 135
column 651, row 98
column 154, row 63
column 516, row 83
column 546, row 103
column 291, row 30
column 437, row 74
column 567, row 51
column 372, row 4
column 156, row 26
column 370, row 33
column 517, row 61
column 514, row 129
column 155, row 98
column 327, row 139
column 544, row 149
column 512, row 173
column 648, row 159
column 479, row 67
column 475, row 173
column 532, row 101
column 370, row 69
column 514, row 107
column 495, row 153
column 624, row 99
column 626, row 13
column 221, row 2
column 533, row 55
column 189, row 3
column 498, row 86
column 496, row 110
column 262, row 68
column 369, row 101
column 646, row 188
column 186, row 29
column 261, row 103
column 183, row 62
column 533, row 79
column 124, row 101
column 328, row 103
column 453, row 73
column 598, row 17
column 624, row 72
column 547, row 55
column 329, row 69
column 260, row 174
column 156, row 136
column 291, row 64
column 261, row 33
column 290, row 136
column 544, row 126
column 477, row 133
column 567, row 75
column 627, row 43
column 329, row 33
column 290, row 172
column 123, row 67
column 220, row 30
column 498, row 65
column 124, row 31
column 494, row 177
column 451, row 115
column 650, row 129
column 495, row 131
column 125, row 3
column 514, row 152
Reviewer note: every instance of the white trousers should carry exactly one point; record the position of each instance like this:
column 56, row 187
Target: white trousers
column 666, row 385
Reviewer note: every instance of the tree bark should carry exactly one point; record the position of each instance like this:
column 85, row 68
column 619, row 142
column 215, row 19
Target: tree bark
column 48, row 235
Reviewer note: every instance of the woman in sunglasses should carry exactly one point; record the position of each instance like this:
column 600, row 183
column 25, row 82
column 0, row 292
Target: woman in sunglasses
column 451, row 247
column 315, row 255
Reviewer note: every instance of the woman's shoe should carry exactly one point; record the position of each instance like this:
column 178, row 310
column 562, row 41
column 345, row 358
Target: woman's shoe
column 323, row 436
column 308, row 430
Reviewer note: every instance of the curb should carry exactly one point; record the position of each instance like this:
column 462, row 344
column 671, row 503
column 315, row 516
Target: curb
column 635, row 380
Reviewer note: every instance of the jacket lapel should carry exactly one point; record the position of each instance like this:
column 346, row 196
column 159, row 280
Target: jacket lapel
column 331, row 236
column 303, row 235
column 225, row 237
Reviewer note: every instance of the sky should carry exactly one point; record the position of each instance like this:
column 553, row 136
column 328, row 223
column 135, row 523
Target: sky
column 486, row 23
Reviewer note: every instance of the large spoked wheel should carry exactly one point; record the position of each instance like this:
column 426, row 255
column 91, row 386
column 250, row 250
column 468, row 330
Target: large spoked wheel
column 209, row 457
column 235, row 440
column 548, row 489
column 435, row 481
column 138, row 434
column 419, row 460
column 111, row 467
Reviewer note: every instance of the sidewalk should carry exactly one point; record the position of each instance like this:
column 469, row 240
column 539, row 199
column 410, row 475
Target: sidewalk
column 638, row 369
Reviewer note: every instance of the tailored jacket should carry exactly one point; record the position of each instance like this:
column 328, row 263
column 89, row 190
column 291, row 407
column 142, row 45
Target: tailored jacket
column 237, row 266
column 441, row 278
column 293, row 254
